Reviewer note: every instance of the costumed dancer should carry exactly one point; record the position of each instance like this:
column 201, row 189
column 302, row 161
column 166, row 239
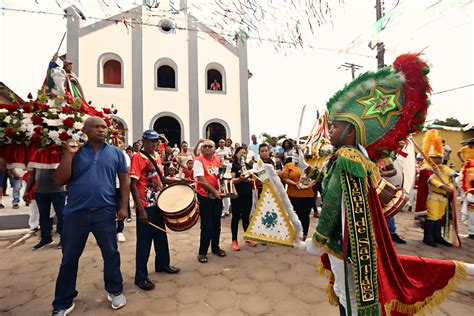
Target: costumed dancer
column 370, row 117
column 468, row 204
column 438, row 189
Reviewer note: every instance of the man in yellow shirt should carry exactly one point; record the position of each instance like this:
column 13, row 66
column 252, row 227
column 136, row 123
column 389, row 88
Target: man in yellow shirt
column 441, row 188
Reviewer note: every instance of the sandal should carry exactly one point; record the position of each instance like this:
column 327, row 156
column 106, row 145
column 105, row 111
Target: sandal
column 219, row 252
column 202, row 258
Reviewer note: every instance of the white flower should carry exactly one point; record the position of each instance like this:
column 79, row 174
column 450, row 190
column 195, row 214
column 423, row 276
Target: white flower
column 63, row 116
column 26, row 121
column 3, row 110
column 78, row 125
column 27, row 115
column 54, row 135
column 76, row 136
column 52, row 122
column 7, row 119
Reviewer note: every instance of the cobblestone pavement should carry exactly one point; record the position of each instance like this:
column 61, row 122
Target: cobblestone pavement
column 267, row 279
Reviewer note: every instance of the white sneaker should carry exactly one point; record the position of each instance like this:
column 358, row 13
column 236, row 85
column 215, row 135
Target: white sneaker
column 120, row 237
column 118, row 300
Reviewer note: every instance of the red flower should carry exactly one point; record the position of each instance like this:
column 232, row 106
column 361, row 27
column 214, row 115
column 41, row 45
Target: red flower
column 35, row 139
column 9, row 132
column 107, row 111
column 44, row 107
column 36, row 106
column 9, row 107
column 64, row 136
column 69, row 122
column 30, row 96
column 67, row 109
column 52, row 95
column 115, row 133
column 26, row 108
column 107, row 122
column 37, row 119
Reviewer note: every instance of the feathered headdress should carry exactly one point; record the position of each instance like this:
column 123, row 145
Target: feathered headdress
column 433, row 144
column 467, row 175
column 385, row 106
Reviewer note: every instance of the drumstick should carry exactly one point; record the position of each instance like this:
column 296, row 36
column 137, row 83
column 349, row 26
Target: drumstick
column 157, row 227
column 178, row 178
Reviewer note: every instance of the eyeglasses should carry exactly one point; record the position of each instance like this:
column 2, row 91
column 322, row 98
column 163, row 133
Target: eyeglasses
column 207, row 146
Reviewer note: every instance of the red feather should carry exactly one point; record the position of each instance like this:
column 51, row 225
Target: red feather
column 415, row 96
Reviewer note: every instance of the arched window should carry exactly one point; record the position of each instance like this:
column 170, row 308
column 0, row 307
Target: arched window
column 166, row 74
column 112, row 72
column 215, row 78
column 166, row 77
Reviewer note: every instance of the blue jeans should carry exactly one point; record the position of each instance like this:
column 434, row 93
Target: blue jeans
column 210, row 211
column 145, row 235
column 391, row 225
column 76, row 229
column 44, row 201
column 16, row 185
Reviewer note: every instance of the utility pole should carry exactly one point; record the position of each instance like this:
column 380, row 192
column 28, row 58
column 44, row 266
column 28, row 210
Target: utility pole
column 352, row 67
column 380, row 45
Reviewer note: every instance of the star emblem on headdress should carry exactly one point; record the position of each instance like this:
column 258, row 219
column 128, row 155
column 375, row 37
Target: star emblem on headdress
column 381, row 104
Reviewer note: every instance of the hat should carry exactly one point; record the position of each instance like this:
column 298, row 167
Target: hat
column 150, row 134
column 433, row 144
column 386, row 106
column 469, row 141
column 67, row 62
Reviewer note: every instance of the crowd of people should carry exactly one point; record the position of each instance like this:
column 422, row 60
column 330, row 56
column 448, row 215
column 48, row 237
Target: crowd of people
column 98, row 180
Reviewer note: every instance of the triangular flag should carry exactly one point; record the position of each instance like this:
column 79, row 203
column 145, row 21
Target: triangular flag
column 270, row 222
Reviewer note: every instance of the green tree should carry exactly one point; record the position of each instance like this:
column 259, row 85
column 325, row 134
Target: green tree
column 450, row 121
column 267, row 138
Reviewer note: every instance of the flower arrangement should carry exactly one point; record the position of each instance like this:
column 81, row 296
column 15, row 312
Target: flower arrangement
column 45, row 124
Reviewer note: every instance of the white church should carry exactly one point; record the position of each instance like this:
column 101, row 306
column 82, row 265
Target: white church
column 167, row 72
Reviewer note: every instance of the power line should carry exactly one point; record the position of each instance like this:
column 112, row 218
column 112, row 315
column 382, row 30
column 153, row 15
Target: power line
column 452, row 89
column 187, row 29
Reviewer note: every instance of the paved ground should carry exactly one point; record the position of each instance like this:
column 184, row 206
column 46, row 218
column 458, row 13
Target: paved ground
column 271, row 280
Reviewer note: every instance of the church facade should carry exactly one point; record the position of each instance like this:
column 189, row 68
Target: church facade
column 164, row 71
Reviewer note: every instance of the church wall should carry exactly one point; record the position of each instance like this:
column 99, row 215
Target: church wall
column 157, row 45
column 216, row 105
column 110, row 39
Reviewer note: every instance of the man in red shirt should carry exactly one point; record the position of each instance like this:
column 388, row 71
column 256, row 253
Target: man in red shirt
column 206, row 168
column 146, row 182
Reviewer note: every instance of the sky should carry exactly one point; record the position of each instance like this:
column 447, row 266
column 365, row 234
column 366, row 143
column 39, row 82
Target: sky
column 284, row 81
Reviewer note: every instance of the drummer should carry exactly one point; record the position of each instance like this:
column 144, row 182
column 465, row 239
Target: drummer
column 146, row 182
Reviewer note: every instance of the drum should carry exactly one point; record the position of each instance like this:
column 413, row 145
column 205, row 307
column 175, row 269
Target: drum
column 393, row 199
column 179, row 207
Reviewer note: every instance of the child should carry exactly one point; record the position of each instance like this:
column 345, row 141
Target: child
column 172, row 172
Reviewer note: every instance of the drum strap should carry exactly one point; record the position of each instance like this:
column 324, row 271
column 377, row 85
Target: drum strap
column 158, row 171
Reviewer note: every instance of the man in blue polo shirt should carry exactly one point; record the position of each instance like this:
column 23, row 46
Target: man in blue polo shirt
column 90, row 171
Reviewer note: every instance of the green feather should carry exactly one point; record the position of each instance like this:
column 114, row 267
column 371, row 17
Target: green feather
column 352, row 167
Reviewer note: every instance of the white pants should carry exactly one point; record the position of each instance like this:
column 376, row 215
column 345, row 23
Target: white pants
column 467, row 216
column 337, row 267
column 226, row 205
column 33, row 220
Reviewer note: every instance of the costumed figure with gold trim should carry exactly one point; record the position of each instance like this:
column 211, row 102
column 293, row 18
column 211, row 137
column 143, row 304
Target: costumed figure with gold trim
column 467, row 212
column 435, row 194
column 371, row 117
column 466, row 155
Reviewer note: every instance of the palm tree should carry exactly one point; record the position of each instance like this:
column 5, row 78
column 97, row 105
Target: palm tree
column 267, row 138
